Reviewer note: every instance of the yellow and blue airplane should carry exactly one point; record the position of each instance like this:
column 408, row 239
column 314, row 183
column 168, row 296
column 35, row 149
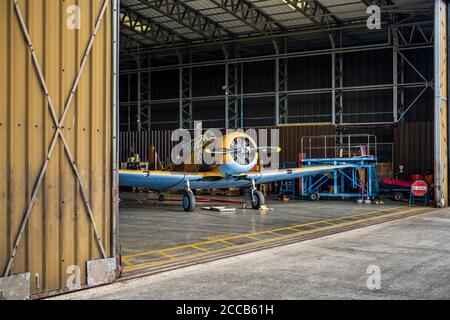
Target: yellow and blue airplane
column 239, row 154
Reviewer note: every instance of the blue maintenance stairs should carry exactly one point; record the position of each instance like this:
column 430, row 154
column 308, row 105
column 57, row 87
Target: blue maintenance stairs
column 288, row 187
column 343, row 183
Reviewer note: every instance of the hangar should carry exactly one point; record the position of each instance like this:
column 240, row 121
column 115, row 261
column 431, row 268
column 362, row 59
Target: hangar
column 105, row 90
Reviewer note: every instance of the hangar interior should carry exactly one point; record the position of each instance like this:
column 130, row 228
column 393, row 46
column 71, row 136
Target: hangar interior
column 74, row 105
column 308, row 68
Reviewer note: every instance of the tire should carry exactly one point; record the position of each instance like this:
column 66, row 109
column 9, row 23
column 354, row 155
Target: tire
column 258, row 200
column 314, row 196
column 161, row 198
column 189, row 202
column 398, row 196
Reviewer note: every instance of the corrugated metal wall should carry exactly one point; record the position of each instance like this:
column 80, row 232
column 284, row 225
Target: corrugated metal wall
column 290, row 141
column 413, row 144
column 414, row 147
column 59, row 233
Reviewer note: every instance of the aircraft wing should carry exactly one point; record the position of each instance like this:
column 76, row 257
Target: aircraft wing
column 289, row 174
column 163, row 180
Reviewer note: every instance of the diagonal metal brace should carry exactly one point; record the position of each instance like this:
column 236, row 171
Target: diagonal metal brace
column 58, row 133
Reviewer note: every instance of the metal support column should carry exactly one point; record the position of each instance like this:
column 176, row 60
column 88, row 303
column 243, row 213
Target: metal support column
column 281, row 85
column 144, row 96
column 241, row 81
column 185, row 98
column 338, row 82
column 149, row 96
column 231, row 88
column 139, row 95
column 129, row 102
column 398, row 73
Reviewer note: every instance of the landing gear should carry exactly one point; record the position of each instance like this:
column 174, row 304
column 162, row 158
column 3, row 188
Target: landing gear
column 257, row 199
column 161, row 197
column 189, row 202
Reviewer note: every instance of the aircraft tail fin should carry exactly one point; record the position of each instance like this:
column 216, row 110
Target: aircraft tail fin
column 154, row 162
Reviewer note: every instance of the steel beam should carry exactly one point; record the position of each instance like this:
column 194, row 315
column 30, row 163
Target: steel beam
column 186, row 16
column 315, row 12
column 302, row 54
column 160, row 35
column 381, row 3
column 292, row 33
column 246, row 12
column 382, row 87
column 411, row 35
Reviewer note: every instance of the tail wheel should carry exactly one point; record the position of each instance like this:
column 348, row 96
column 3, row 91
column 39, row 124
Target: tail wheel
column 189, row 202
column 258, row 200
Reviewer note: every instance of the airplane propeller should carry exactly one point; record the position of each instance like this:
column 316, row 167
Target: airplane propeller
column 242, row 151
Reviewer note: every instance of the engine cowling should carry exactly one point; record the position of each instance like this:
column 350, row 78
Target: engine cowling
column 240, row 154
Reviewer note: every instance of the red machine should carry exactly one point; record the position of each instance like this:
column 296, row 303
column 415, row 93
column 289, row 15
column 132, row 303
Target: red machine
column 400, row 189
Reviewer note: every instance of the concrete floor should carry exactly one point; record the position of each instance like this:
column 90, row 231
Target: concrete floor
column 413, row 255
column 145, row 226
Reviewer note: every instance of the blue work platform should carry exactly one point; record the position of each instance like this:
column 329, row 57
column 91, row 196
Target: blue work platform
column 344, row 183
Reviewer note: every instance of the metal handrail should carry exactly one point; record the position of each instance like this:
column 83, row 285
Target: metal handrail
column 346, row 143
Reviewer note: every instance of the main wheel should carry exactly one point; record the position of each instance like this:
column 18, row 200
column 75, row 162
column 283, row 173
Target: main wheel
column 161, row 198
column 314, row 196
column 258, row 200
column 189, row 202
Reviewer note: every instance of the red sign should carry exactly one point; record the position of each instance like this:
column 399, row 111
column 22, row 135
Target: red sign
column 419, row 188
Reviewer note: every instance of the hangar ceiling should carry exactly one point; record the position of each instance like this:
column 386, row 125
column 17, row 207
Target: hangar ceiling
column 178, row 36
column 171, row 24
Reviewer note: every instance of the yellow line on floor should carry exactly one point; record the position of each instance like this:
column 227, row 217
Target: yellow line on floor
column 156, row 264
column 167, row 255
column 251, row 235
column 200, row 249
column 329, row 223
column 225, row 242
column 248, row 236
column 149, row 264
column 273, row 232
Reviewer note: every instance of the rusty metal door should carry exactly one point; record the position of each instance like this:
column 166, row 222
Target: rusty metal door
column 441, row 104
column 57, row 127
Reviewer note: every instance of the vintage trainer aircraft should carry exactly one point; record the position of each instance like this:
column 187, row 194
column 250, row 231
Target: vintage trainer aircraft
column 239, row 154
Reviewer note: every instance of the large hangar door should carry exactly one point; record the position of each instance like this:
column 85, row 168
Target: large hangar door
column 441, row 104
column 56, row 133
